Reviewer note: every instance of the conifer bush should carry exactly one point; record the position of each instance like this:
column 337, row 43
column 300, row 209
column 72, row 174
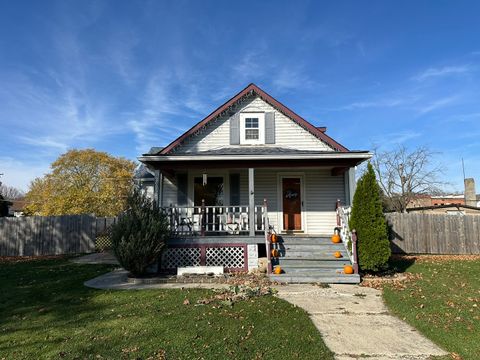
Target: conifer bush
column 368, row 220
column 140, row 234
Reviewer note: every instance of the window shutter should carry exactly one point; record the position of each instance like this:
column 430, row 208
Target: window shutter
column 235, row 129
column 234, row 189
column 182, row 189
column 270, row 128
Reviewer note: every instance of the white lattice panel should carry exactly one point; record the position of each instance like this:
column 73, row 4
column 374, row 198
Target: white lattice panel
column 229, row 256
column 180, row 257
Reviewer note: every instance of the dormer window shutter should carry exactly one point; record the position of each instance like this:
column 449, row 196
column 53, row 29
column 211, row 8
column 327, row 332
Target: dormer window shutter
column 235, row 129
column 270, row 128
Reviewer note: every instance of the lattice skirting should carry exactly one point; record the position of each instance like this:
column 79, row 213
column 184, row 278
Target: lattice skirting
column 231, row 257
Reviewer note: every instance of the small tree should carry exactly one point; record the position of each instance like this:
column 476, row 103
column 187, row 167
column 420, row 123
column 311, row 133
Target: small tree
column 368, row 220
column 404, row 174
column 139, row 236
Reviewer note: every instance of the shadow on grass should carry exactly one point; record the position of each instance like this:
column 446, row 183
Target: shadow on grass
column 400, row 264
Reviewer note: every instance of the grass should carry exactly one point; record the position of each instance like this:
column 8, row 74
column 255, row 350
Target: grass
column 444, row 304
column 47, row 313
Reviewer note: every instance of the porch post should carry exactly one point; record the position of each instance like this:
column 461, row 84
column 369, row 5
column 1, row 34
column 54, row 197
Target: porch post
column 251, row 201
column 158, row 188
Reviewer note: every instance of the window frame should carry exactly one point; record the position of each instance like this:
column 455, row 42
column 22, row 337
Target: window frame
column 261, row 128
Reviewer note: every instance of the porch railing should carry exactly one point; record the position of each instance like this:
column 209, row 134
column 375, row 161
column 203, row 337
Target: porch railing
column 349, row 237
column 204, row 220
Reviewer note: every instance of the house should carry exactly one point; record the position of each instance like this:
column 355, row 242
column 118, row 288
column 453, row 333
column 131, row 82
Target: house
column 447, row 209
column 16, row 207
column 145, row 180
column 250, row 168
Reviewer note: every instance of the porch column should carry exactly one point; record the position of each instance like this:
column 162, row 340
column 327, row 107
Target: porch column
column 251, row 201
column 158, row 188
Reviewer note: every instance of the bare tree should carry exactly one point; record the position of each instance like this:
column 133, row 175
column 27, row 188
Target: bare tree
column 404, row 174
column 10, row 192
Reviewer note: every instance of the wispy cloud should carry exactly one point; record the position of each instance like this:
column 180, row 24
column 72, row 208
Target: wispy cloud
column 442, row 72
column 437, row 104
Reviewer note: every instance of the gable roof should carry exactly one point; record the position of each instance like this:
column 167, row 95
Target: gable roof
column 254, row 89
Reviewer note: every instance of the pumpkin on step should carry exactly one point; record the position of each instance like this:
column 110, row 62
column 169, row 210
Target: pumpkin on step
column 275, row 253
column 336, row 238
column 338, row 254
column 274, row 238
column 277, row 270
column 347, row 269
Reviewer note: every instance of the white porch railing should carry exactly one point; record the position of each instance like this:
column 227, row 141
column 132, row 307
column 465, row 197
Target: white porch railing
column 202, row 220
column 349, row 237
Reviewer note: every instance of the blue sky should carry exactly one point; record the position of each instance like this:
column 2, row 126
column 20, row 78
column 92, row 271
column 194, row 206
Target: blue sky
column 121, row 76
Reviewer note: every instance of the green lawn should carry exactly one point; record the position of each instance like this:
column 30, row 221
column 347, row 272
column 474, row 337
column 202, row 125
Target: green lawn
column 47, row 313
column 444, row 304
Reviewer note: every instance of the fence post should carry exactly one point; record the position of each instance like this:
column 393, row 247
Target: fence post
column 354, row 251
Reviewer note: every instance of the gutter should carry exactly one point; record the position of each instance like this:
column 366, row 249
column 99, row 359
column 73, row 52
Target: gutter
column 166, row 158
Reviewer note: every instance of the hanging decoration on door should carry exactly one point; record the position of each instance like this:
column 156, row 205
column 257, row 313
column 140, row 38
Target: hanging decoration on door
column 291, row 194
column 204, row 179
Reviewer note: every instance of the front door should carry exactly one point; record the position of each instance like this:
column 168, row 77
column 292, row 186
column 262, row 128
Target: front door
column 292, row 203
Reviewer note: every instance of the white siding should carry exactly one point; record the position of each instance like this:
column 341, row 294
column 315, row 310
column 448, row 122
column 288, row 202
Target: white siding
column 321, row 191
column 169, row 191
column 287, row 133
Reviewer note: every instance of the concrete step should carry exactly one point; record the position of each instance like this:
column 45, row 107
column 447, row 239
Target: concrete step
column 312, row 271
column 312, row 262
column 304, row 240
column 312, row 265
column 304, row 247
column 318, row 278
column 316, row 255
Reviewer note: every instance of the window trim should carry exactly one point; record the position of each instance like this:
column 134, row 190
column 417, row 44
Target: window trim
column 261, row 128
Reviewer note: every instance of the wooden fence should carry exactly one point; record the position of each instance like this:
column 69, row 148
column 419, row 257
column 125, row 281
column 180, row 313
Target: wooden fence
column 413, row 233
column 53, row 235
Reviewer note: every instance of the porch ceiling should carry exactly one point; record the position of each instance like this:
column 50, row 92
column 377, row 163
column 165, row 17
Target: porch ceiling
column 272, row 159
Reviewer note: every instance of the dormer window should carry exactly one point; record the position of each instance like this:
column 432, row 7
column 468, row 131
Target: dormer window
column 252, row 128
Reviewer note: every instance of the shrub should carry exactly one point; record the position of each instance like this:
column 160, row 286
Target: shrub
column 368, row 219
column 139, row 235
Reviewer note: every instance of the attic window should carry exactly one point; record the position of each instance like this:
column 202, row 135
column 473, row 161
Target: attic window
column 252, row 128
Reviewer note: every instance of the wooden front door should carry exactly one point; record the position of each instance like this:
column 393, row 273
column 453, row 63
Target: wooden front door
column 292, row 203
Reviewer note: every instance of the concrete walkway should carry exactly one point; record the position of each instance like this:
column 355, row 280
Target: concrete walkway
column 96, row 258
column 117, row 280
column 355, row 323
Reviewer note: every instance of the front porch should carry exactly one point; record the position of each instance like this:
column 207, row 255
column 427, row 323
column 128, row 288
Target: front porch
column 222, row 210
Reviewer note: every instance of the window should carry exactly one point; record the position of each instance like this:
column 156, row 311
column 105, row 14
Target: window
column 252, row 128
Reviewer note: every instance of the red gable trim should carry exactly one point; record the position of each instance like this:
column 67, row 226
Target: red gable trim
column 266, row 97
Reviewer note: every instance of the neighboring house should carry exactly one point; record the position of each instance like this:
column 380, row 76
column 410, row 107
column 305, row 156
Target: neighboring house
column 449, row 209
column 434, row 200
column 16, row 207
column 250, row 162
column 145, row 180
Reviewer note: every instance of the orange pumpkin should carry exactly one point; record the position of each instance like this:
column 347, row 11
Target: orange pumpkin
column 336, row 238
column 275, row 253
column 347, row 269
column 277, row 270
column 274, row 238
column 338, row 254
